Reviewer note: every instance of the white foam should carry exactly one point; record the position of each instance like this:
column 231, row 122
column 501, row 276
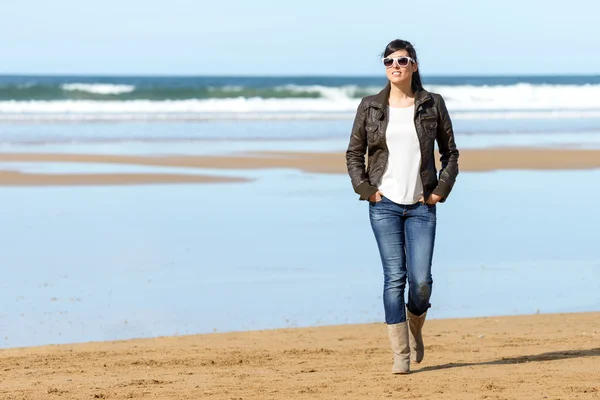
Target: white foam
column 98, row 88
column 270, row 116
column 522, row 101
column 522, row 96
column 230, row 105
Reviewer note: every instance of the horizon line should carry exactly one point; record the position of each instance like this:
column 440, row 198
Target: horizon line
column 110, row 75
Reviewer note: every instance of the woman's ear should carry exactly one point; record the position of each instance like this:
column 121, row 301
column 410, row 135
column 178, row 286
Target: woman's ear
column 415, row 67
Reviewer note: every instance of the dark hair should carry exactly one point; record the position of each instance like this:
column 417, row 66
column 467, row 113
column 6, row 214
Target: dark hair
column 396, row 45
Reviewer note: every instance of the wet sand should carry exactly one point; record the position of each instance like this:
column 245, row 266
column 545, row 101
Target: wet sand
column 333, row 163
column 12, row 178
column 555, row 356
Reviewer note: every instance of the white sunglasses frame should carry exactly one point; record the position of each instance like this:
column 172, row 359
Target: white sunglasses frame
column 395, row 61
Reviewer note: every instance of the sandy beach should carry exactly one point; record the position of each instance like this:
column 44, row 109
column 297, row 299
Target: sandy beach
column 325, row 162
column 554, row 356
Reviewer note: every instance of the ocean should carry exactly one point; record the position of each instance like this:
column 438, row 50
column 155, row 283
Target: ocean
column 80, row 98
column 275, row 107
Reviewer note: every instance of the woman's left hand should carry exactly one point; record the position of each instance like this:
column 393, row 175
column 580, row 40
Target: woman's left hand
column 433, row 199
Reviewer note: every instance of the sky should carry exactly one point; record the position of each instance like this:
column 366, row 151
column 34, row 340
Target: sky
column 306, row 37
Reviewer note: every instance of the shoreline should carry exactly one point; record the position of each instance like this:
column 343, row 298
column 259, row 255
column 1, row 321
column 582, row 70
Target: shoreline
column 286, row 328
column 552, row 355
column 471, row 160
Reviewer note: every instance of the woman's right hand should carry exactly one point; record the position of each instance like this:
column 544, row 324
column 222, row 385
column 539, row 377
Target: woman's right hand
column 375, row 197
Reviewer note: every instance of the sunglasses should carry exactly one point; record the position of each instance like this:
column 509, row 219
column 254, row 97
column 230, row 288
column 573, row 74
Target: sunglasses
column 401, row 61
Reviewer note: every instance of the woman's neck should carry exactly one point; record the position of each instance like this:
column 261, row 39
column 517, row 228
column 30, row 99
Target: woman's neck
column 401, row 95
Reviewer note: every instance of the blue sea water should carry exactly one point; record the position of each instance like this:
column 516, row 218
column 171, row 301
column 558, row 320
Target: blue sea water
column 30, row 87
column 36, row 109
column 42, row 99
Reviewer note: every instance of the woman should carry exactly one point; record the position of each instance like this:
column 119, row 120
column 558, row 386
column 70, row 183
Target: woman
column 397, row 129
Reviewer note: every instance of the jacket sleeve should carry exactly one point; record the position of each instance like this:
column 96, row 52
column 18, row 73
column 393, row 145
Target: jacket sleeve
column 355, row 156
column 448, row 153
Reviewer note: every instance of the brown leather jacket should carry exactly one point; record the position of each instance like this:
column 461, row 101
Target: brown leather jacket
column 432, row 123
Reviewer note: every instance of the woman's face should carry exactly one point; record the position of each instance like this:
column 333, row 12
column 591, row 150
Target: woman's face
column 397, row 74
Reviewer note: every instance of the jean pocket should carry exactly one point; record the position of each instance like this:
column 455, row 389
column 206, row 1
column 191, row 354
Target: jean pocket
column 376, row 202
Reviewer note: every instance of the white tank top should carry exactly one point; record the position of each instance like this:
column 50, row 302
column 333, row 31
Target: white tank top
column 401, row 181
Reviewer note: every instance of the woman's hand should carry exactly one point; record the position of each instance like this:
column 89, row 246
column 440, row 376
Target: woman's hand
column 375, row 197
column 433, row 199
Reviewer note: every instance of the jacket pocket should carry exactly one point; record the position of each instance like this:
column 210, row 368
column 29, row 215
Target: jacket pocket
column 430, row 127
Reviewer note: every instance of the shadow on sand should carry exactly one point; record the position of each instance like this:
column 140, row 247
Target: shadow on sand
column 556, row 355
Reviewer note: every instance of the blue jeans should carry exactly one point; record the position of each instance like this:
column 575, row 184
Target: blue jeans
column 405, row 235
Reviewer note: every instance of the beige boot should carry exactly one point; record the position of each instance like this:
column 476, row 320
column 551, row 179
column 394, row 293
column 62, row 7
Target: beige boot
column 415, row 336
column 399, row 340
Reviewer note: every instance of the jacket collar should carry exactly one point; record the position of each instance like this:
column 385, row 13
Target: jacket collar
column 381, row 99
